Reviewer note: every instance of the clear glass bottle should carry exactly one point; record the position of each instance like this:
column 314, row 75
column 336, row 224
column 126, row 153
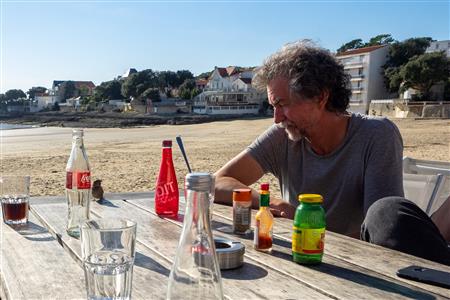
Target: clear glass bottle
column 78, row 184
column 167, row 195
column 195, row 272
column 263, row 222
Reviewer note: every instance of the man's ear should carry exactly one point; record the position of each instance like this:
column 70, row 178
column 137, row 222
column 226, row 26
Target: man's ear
column 323, row 98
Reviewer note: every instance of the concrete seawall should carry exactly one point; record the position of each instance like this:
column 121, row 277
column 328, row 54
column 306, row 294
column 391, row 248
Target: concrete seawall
column 400, row 109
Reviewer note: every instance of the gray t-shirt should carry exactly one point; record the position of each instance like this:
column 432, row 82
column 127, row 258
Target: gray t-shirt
column 367, row 166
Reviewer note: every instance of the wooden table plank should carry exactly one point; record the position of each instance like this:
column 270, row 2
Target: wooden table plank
column 372, row 257
column 34, row 266
column 162, row 235
column 352, row 280
column 150, row 276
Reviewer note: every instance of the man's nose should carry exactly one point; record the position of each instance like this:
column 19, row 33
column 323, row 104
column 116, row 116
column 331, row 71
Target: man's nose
column 278, row 115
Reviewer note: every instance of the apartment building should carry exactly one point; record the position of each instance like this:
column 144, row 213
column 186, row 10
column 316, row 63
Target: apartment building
column 437, row 46
column 364, row 65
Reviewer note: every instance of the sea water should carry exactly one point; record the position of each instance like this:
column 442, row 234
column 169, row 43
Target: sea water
column 108, row 275
column 5, row 126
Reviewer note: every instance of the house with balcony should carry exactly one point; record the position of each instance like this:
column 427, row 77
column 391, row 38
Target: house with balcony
column 364, row 65
column 229, row 91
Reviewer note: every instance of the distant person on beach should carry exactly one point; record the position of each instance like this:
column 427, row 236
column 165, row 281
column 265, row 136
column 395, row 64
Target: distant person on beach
column 352, row 160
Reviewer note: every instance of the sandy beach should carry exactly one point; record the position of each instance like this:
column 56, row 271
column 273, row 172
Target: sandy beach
column 127, row 160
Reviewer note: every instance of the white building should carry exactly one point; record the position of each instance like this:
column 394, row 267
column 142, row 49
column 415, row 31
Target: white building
column 439, row 46
column 364, row 65
column 42, row 102
column 229, row 91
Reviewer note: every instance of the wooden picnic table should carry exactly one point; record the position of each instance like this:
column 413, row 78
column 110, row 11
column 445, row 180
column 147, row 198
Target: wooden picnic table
column 40, row 261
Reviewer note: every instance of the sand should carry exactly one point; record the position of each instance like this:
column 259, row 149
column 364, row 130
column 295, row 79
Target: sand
column 127, row 160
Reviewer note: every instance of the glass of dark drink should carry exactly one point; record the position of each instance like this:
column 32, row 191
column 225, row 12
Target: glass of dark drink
column 14, row 194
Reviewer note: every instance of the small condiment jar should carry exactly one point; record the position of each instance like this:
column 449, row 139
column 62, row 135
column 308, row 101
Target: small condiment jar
column 242, row 210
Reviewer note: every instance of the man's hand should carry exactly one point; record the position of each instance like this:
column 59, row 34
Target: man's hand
column 280, row 208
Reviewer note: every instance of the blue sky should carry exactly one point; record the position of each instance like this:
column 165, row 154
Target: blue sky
column 42, row 41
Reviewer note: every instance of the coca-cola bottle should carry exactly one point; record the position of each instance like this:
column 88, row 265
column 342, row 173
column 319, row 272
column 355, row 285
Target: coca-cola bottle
column 78, row 185
column 166, row 198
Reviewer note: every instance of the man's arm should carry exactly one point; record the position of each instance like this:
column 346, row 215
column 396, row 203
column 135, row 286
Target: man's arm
column 240, row 172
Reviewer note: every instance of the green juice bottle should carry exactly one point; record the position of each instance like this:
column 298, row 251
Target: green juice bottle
column 309, row 230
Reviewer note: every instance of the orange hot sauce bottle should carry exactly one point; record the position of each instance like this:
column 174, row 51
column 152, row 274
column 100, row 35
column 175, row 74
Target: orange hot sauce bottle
column 264, row 222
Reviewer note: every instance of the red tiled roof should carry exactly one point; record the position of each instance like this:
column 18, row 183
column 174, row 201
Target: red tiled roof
column 231, row 70
column 201, row 81
column 223, row 72
column 361, row 50
column 79, row 84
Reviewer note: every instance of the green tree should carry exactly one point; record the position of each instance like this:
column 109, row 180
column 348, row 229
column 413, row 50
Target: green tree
column 135, row 84
column 109, row 90
column 186, row 89
column 184, row 94
column 424, row 71
column 152, row 94
column 188, row 84
column 353, row 44
column 399, row 54
column 36, row 90
column 195, row 92
column 3, row 102
column 183, row 75
column 67, row 90
column 381, row 39
column 446, row 95
column 167, row 79
column 204, row 75
column 14, row 94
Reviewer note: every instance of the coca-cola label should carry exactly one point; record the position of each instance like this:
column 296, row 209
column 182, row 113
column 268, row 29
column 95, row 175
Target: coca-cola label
column 79, row 180
column 69, row 176
column 83, row 180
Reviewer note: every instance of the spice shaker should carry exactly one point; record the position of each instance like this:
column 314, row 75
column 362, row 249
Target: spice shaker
column 242, row 210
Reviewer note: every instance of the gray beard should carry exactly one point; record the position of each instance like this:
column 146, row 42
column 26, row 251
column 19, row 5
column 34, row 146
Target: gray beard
column 293, row 132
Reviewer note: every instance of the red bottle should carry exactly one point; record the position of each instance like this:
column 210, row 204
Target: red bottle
column 167, row 197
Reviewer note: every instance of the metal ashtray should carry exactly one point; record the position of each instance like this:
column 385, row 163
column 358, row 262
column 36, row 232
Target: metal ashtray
column 229, row 253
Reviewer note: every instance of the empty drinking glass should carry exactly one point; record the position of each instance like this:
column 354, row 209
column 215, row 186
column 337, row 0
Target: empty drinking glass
column 108, row 251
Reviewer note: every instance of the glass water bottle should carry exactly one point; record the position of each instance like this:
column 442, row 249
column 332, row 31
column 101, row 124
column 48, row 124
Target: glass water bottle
column 195, row 273
column 78, row 185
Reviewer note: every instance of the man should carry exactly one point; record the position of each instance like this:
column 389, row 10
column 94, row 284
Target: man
column 316, row 146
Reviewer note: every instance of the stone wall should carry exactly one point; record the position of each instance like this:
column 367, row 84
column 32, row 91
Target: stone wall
column 396, row 108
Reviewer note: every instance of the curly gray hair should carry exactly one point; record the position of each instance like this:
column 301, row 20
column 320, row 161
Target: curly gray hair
column 310, row 71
